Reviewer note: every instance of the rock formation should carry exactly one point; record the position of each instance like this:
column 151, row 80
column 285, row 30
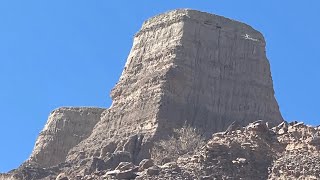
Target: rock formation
column 188, row 67
column 65, row 128
column 185, row 67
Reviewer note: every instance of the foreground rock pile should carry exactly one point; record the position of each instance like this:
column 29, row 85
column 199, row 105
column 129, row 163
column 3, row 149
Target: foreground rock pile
column 251, row 152
column 287, row 151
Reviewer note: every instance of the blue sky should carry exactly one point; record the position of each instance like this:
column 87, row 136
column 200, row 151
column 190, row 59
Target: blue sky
column 71, row 53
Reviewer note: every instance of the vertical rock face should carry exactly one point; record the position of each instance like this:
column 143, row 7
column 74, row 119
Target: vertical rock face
column 190, row 67
column 65, row 128
column 220, row 74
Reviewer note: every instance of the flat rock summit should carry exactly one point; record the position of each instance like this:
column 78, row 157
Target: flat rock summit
column 190, row 69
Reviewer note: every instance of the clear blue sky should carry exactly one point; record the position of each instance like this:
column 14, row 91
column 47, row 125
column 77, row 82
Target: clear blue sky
column 71, row 53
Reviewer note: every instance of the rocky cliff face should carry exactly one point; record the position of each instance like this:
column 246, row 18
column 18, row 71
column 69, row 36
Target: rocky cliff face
column 65, row 128
column 188, row 67
column 185, row 67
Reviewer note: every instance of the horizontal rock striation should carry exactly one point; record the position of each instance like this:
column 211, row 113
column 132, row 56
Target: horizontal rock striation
column 186, row 67
column 137, row 97
column 65, row 128
column 220, row 74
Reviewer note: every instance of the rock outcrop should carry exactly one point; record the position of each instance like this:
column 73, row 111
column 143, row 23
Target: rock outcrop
column 185, row 68
column 65, row 128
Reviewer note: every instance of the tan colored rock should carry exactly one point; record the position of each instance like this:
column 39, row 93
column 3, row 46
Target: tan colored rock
column 248, row 155
column 190, row 67
column 7, row 177
column 281, row 131
column 123, row 166
column 62, row 176
column 145, row 164
column 65, row 128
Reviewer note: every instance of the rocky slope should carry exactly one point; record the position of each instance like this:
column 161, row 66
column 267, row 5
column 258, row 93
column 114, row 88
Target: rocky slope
column 185, row 68
column 287, row 151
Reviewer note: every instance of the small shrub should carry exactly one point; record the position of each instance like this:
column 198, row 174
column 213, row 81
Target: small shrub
column 185, row 140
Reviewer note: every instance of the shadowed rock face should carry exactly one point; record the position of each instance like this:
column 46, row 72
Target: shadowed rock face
column 190, row 67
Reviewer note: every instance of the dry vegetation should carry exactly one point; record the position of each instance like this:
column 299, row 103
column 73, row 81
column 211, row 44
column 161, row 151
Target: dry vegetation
column 186, row 140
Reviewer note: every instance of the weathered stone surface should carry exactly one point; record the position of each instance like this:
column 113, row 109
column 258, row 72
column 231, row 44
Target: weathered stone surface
column 241, row 154
column 62, row 176
column 65, row 128
column 153, row 171
column 125, row 170
column 116, row 158
column 249, row 154
column 123, row 166
column 145, row 164
column 190, row 67
column 7, row 177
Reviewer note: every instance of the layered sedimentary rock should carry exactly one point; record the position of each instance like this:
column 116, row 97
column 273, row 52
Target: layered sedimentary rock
column 65, row 128
column 186, row 67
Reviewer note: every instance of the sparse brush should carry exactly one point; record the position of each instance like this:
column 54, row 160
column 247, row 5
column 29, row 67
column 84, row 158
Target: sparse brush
column 186, row 140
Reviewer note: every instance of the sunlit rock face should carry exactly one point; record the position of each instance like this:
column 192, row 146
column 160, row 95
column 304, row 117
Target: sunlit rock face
column 185, row 67
column 65, row 128
column 219, row 74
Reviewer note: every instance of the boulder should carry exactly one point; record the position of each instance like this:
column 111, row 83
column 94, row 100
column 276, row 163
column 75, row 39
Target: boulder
column 145, row 164
column 123, row 166
column 153, row 170
column 116, row 158
column 62, row 176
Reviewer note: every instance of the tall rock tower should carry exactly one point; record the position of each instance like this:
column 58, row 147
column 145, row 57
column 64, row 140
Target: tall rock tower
column 185, row 67
column 190, row 67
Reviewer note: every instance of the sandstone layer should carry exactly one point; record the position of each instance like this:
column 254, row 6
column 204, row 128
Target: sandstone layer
column 186, row 67
column 65, row 128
